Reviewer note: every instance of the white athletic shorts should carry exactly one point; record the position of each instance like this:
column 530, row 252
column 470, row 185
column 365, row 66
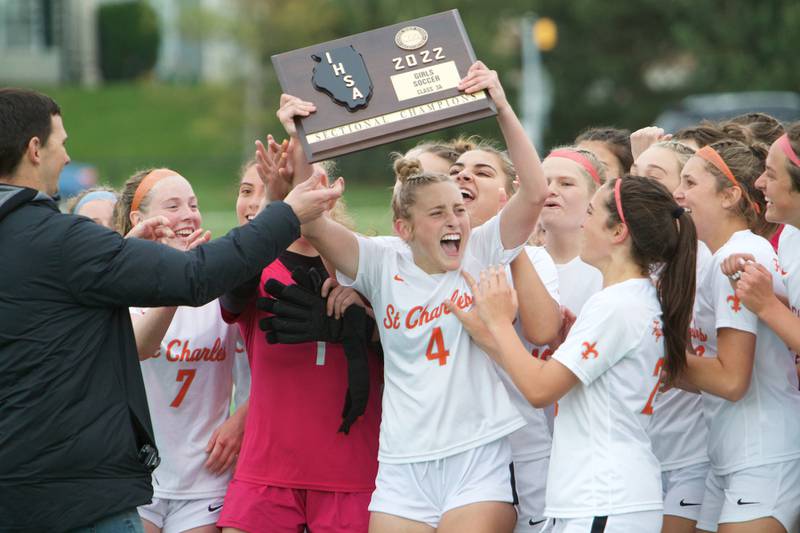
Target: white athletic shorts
column 684, row 489
column 757, row 492
column 641, row 522
column 426, row 490
column 174, row 516
column 530, row 479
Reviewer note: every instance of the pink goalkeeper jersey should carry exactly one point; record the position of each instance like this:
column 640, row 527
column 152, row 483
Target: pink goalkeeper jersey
column 296, row 400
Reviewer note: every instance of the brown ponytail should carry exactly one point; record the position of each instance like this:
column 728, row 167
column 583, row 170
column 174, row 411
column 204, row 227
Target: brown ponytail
column 763, row 128
column 702, row 134
column 664, row 240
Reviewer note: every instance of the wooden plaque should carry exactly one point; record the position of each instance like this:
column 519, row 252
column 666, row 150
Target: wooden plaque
column 382, row 85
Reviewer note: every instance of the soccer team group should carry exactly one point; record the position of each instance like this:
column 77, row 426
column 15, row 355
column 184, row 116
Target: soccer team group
column 602, row 340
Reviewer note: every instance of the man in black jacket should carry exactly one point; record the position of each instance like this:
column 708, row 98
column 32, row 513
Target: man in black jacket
column 73, row 413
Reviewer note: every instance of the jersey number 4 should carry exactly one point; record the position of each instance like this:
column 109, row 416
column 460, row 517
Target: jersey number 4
column 187, row 376
column 436, row 349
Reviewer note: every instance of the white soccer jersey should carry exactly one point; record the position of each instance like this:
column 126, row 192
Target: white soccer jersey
column 789, row 260
column 577, row 282
column 532, row 441
column 189, row 384
column 393, row 241
column 441, row 395
column 241, row 375
column 677, row 430
column 602, row 462
column 764, row 426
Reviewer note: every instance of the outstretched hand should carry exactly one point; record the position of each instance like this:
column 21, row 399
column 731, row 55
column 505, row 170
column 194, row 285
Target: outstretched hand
column 494, row 298
column 311, row 198
column 275, row 167
column 494, row 302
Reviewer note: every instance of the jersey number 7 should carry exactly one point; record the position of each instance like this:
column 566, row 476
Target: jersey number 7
column 648, row 408
column 187, row 376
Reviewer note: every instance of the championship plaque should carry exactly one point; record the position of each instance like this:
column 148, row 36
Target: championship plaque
column 382, row 85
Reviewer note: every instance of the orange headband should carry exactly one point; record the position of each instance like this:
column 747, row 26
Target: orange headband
column 579, row 158
column 148, row 183
column 618, row 199
column 786, row 146
column 711, row 155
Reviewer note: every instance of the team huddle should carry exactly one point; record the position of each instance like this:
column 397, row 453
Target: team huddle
column 600, row 340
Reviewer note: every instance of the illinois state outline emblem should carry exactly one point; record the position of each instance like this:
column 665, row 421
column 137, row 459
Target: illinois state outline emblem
column 341, row 74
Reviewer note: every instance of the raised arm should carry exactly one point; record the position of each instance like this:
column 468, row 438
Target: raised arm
column 539, row 314
column 100, row 268
column 644, row 138
column 519, row 216
column 334, row 242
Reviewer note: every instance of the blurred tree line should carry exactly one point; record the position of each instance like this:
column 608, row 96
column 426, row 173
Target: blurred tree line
column 129, row 38
column 615, row 63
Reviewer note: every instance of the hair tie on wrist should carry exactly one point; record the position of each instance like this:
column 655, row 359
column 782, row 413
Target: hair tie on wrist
column 677, row 212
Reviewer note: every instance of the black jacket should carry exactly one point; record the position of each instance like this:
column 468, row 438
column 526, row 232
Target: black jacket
column 73, row 411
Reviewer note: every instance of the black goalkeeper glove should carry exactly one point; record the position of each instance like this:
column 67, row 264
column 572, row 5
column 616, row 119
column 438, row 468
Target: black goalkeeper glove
column 354, row 341
column 299, row 311
column 300, row 315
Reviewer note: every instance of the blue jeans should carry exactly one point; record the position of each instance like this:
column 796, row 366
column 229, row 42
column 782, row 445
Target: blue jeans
column 124, row 522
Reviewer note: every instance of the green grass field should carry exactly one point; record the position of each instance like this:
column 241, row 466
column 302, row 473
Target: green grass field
column 196, row 130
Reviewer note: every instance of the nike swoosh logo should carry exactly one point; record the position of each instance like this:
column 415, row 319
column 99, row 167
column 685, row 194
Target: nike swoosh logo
column 740, row 502
column 684, row 504
column 532, row 523
column 212, row 509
